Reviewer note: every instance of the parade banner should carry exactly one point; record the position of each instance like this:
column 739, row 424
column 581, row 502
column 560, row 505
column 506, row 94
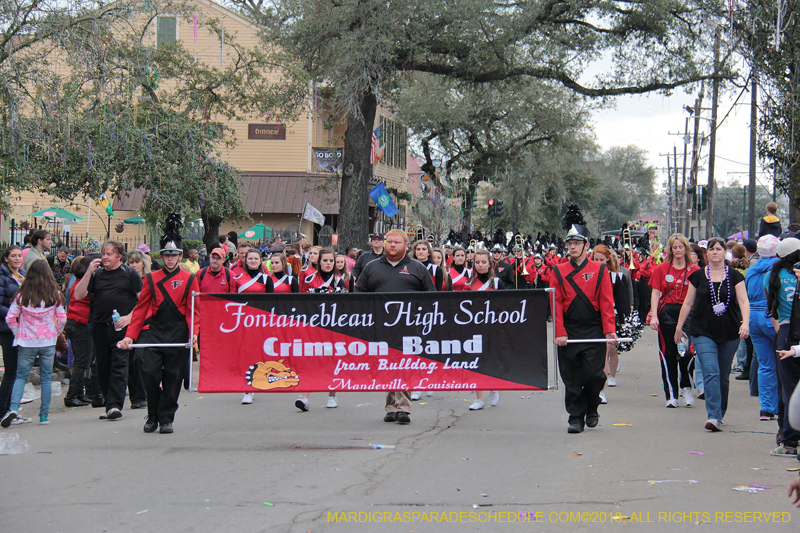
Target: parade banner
column 490, row 340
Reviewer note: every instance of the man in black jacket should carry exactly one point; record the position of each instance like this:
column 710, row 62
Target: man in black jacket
column 377, row 251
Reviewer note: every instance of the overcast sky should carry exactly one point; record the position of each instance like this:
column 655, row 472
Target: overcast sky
column 647, row 121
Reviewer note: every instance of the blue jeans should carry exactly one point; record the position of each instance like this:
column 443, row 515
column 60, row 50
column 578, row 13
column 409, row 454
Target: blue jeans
column 26, row 357
column 698, row 374
column 762, row 333
column 715, row 359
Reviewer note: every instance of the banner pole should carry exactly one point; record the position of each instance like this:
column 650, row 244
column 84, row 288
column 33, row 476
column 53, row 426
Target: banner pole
column 603, row 340
column 554, row 362
column 191, row 345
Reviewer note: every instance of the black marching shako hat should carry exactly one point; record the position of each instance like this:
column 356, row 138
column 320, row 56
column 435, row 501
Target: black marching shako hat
column 574, row 223
column 171, row 241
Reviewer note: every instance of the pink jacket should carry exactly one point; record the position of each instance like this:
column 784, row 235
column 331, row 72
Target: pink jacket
column 35, row 326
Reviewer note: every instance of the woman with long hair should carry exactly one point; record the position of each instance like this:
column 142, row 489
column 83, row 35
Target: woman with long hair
column 781, row 292
column 438, row 259
column 670, row 281
column 326, row 280
column 282, row 281
column 717, row 300
column 622, row 307
column 256, row 280
column 11, row 276
column 36, row 317
column 459, row 274
column 483, row 279
column 698, row 255
column 344, row 272
column 312, row 265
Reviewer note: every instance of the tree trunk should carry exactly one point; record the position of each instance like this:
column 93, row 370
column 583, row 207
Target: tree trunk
column 356, row 171
column 794, row 195
column 211, row 225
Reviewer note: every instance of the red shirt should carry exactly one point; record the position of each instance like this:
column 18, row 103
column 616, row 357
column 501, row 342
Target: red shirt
column 78, row 309
column 221, row 281
column 260, row 284
column 674, row 291
column 460, row 281
column 177, row 291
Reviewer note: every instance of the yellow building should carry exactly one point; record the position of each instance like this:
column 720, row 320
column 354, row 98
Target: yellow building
column 279, row 158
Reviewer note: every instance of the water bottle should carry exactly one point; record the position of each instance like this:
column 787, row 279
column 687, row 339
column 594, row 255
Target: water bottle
column 683, row 346
column 115, row 317
column 382, row 446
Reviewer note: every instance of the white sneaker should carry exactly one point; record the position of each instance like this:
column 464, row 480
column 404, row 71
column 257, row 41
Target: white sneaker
column 247, row 399
column 612, row 381
column 429, row 393
column 477, row 405
column 415, row 396
column 603, row 399
column 302, row 403
column 332, row 403
column 494, row 397
column 672, row 404
column 20, row 420
column 688, row 397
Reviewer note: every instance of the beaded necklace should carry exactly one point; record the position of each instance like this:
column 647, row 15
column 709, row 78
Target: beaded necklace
column 716, row 298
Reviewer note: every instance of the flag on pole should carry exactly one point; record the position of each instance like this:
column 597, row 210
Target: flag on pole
column 383, row 200
column 377, row 133
column 313, row 214
column 103, row 202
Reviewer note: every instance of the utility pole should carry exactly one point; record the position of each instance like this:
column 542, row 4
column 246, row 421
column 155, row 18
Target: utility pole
column 751, row 215
column 683, row 205
column 677, row 206
column 696, row 159
column 670, row 196
column 712, row 149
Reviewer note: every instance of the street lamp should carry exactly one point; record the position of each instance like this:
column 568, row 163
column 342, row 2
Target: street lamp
column 35, row 208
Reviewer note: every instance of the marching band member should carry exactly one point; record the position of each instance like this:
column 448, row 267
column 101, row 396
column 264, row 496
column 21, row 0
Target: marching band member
column 459, row 273
column 282, row 281
column 584, row 310
column 483, row 279
column 421, row 250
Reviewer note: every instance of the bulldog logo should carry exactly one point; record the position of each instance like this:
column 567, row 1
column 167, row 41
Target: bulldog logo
column 269, row 375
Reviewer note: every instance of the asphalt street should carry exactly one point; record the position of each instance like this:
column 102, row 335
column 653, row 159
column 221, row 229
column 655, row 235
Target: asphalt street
column 269, row 467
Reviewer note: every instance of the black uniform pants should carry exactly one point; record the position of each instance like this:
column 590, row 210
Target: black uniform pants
column 668, row 353
column 162, row 372
column 136, row 393
column 581, row 367
column 643, row 287
column 81, row 342
column 112, row 364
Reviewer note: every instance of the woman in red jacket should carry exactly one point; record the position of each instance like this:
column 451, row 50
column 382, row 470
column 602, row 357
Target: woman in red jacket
column 459, row 274
column 327, row 279
column 282, row 281
column 483, row 279
column 254, row 279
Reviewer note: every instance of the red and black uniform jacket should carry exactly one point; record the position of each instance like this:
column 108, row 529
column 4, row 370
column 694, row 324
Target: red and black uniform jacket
column 437, row 274
column 459, row 280
column 165, row 304
column 260, row 283
column 320, row 280
column 284, row 283
column 584, row 299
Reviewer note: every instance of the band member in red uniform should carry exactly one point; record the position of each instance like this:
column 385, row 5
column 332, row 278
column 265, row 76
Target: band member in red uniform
column 502, row 268
column 584, row 310
column 459, row 273
column 483, row 279
column 282, row 281
column 254, row 278
column 542, row 273
column 421, row 250
column 166, row 299
column 216, row 277
column 448, row 253
column 520, row 265
column 327, row 280
column 312, row 265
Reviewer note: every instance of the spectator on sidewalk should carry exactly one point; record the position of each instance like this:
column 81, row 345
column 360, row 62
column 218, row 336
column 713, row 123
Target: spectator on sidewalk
column 11, row 276
column 40, row 243
column 770, row 224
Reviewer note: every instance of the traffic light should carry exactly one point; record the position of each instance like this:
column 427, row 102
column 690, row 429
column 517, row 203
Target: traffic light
column 498, row 208
column 703, row 197
column 490, row 207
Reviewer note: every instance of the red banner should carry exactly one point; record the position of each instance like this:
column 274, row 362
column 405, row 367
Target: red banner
column 373, row 342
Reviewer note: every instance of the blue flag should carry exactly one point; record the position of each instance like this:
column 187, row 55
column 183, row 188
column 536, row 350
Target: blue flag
column 383, row 200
